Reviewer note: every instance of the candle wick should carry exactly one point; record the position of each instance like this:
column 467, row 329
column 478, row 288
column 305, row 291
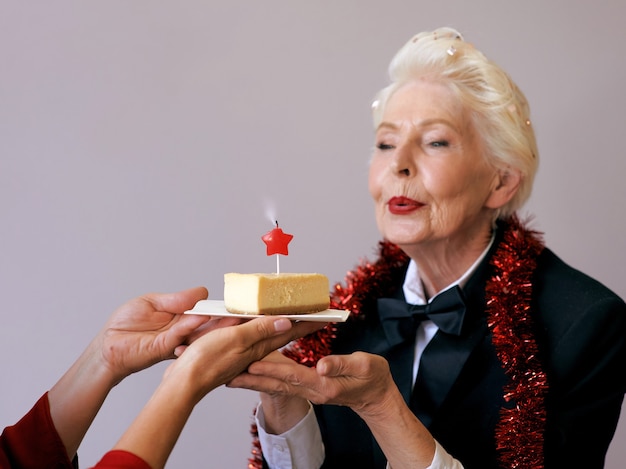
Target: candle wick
column 276, row 221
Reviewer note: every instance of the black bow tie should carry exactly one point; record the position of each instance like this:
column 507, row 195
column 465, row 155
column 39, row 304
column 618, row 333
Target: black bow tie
column 400, row 319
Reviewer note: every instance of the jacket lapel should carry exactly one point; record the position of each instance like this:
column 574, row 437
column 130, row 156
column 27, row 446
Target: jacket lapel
column 447, row 355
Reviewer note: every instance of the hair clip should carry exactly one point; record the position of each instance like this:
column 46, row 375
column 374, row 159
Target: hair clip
column 375, row 104
column 451, row 51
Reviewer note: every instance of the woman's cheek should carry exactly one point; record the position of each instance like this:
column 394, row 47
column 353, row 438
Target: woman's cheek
column 375, row 180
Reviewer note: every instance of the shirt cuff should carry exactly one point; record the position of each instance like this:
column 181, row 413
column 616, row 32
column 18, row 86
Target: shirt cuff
column 441, row 460
column 300, row 447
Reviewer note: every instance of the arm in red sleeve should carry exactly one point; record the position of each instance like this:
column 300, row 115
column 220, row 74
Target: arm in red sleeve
column 118, row 459
column 33, row 442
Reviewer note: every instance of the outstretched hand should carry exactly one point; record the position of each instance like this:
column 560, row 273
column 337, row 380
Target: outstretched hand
column 225, row 352
column 149, row 329
column 138, row 334
column 361, row 381
column 211, row 360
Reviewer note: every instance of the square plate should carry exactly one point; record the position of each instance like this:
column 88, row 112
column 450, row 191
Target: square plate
column 216, row 308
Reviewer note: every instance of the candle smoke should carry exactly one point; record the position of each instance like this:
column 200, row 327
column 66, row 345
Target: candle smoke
column 270, row 211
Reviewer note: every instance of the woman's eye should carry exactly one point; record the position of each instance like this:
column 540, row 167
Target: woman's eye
column 384, row 146
column 439, row 143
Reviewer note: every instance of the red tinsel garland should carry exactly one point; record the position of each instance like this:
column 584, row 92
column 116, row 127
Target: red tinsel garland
column 519, row 434
column 520, row 431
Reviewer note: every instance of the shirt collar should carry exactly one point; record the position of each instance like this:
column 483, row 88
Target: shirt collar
column 414, row 289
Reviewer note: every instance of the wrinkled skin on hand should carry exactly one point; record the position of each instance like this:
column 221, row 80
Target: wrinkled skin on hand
column 361, row 381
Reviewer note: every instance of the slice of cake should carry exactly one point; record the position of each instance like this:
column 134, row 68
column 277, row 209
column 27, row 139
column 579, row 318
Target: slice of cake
column 276, row 293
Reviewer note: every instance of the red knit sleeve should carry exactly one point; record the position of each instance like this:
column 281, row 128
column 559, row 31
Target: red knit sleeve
column 118, row 459
column 33, row 442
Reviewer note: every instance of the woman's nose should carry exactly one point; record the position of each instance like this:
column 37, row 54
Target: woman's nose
column 403, row 164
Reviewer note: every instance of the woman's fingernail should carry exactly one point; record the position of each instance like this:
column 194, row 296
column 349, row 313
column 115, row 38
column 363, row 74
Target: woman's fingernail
column 282, row 325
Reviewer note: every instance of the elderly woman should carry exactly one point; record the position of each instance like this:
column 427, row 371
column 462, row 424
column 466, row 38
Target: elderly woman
column 470, row 344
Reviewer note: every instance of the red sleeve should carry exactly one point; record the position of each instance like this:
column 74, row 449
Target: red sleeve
column 33, row 442
column 118, row 459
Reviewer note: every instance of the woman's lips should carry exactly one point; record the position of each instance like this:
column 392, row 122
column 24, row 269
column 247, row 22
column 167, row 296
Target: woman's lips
column 403, row 205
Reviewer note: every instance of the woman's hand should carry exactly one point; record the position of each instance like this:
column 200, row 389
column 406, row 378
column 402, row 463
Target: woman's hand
column 361, row 381
column 281, row 411
column 150, row 328
column 222, row 353
column 138, row 334
column 208, row 362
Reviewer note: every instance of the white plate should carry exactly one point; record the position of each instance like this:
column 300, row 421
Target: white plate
column 216, row 308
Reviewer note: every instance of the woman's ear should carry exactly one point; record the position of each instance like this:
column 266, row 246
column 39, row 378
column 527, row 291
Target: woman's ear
column 505, row 185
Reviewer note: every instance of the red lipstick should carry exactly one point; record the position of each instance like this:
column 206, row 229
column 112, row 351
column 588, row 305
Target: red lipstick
column 403, row 205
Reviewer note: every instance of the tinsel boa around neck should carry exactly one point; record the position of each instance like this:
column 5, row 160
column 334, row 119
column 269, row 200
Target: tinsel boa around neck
column 519, row 433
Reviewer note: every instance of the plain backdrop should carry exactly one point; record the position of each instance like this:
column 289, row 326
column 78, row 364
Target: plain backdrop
column 143, row 144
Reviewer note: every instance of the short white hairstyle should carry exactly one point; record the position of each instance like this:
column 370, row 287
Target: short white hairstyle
column 497, row 108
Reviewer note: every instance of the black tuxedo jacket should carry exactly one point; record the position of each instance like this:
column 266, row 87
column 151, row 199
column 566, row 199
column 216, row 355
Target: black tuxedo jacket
column 581, row 332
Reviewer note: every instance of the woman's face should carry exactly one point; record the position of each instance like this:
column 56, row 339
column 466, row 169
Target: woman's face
column 428, row 178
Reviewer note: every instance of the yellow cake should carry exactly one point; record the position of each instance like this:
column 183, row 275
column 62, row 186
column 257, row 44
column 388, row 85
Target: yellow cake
column 275, row 293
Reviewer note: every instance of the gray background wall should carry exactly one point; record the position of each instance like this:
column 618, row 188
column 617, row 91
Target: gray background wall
column 141, row 141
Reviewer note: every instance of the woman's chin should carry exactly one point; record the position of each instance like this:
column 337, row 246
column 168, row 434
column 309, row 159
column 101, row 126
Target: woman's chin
column 404, row 237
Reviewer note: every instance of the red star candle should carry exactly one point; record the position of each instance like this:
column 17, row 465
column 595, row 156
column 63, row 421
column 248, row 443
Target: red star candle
column 276, row 241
